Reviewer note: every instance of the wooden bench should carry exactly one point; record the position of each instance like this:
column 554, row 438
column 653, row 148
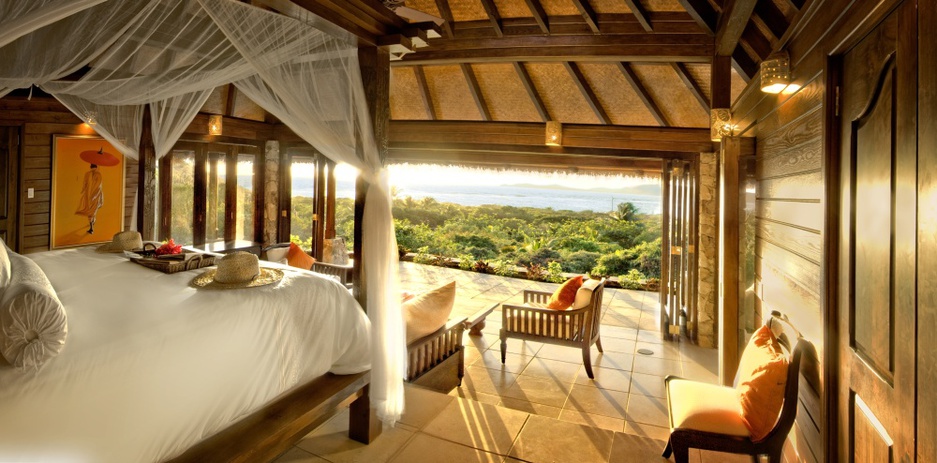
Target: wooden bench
column 475, row 323
column 437, row 360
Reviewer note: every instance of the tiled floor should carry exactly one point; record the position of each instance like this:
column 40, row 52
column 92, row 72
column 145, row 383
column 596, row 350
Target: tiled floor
column 539, row 406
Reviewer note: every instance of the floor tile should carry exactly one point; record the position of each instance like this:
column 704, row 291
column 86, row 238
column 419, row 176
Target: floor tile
column 482, row 397
column 665, row 351
column 553, row 369
column 330, row 441
column 606, row 378
column 487, row 380
column 657, row 367
column 422, row 405
column 429, row 449
column 298, row 455
column 611, row 344
column 707, row 456
column 647, row 430
column 652, row 336
column 628, row 448
column 619, row 332
column 588, row 419
column 588, row 399
column 616, row 360
column 539, row 442
column 513, row 363
column 561, row 353
column 647, row 410
column 482, row 426
column 648, row 385
column 540, row 390
column 530, row 407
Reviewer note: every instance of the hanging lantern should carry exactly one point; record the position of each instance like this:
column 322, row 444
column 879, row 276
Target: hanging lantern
column 91, row 118
column 776, row 73
column 554, row 135
column 214, row 124
column 720, row 124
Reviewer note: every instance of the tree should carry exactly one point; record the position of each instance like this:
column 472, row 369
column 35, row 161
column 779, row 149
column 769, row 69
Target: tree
column 626, row 212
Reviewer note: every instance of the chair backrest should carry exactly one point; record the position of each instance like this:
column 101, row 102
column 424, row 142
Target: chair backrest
column 595, row 305
column 789, row 410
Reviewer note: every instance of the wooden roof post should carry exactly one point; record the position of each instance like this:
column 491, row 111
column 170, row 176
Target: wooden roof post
column 375, row 75
column 146, row 184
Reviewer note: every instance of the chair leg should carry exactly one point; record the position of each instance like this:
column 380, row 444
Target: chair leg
column 504, row 348
column 667, row 450
column 598, row 343
column 587, row 361
column 681, row 454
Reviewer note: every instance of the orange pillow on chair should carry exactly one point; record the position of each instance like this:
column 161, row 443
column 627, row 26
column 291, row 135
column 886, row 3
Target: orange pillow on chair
column 762, row 379
column 564, row 296
column 298, row 258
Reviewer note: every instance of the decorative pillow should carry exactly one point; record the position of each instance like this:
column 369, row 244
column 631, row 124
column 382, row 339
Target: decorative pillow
column 4, row 265
column 584, row 293
column 278, row 255
column 33, row 323
column 762, row 378
column 298, row 258
column 565, row 295
column 429, row 311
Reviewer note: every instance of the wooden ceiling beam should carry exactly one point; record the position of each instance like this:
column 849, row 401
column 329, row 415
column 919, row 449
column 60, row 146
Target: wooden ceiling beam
column 424, row 92
column 610, row 23
column 591, row 99
column 230, row 100
column 555, row 157
column 773, row 18
column 493, row 16
column 446, row 13
column 692, row 85
column 695, row 48
column 476, row 91
column 540, row 16
column 758, row 46
column 532, row 91
column 588, row 14
column 643, row 94
column 744, row 65
column 732, row 22
column 640, row 14
column 502, row 135
column 704, row 14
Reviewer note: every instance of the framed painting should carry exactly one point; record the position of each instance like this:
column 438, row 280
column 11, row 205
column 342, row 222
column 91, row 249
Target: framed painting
column 87, row 191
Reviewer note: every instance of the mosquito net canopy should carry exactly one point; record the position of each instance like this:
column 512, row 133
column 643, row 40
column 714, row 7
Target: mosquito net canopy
column 108, row 59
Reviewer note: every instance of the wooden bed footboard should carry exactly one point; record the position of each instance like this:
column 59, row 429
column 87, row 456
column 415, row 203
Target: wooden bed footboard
column 273, row 429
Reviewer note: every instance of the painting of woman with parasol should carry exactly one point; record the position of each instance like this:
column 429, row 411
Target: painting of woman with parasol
column 87, row 191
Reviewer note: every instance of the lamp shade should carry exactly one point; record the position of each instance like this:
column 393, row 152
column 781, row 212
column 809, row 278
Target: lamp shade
column 775, row 73
column 214, row 124
column 720, row 123
column 554, row 134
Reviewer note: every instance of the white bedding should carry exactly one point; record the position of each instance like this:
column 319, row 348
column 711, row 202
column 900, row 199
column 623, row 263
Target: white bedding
column 152, row 366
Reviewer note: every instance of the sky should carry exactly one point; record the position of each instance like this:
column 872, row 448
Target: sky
column 408, row 175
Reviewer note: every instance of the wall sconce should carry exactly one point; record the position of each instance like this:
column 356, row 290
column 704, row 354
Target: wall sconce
column 91, row 118
column 554, row 133
column 214, row 124
column 776, row 72
column 720, row 124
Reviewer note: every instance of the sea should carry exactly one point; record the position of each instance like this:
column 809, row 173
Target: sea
column 506, row 195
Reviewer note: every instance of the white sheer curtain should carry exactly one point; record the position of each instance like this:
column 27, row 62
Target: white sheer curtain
column 171, row 54
column 20, row 18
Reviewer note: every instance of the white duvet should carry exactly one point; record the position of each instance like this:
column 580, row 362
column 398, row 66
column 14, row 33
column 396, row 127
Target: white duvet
column 152, row 366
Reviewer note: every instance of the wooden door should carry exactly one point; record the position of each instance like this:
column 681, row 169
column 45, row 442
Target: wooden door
column 877, row 257
column 9, row 154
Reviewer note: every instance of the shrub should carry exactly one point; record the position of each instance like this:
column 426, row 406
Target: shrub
column 411, row 237
column 634, row 279
column 580, row 261
column 466, row 261
column 536, row 272
column 481, row 266
column 617, row 263
column 555, row 273
column 424, row 257
column 541, row 257
column 504, row 268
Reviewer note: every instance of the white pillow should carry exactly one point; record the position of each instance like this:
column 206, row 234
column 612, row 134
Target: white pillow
column 33, row 323
column 5, row 271
column 278, row 255
column 584, row 294
column 429, row 311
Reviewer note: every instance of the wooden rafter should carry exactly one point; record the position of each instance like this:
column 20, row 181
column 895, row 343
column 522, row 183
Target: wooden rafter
column 744, row 65
column 493, row 16
column 424, row 92
column 732, row 22
column 230, row 100
column 772, row 17
column 368, row 20
column 588, row 14
column 640, row 14
column 532, row 91
column 540, row 15
column 476, row 91
column 665, row 22
column 657, row 47
column 446, row 13
column 580, row 80
column 704, row 14
column 555, row 157
column 642, row 93
column 755, row 43
column 691, row 85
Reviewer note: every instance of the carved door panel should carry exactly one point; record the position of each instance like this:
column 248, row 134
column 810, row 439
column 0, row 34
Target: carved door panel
column 877, row 244
column 9, row 153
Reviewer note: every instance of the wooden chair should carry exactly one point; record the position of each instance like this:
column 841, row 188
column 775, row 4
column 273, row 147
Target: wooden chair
column 683, row 395
column 437, row 360
column 576, row 327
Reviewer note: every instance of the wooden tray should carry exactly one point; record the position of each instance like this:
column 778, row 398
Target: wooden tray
column 191, row 261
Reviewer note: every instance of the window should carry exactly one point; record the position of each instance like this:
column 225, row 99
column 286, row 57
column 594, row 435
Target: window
column 245, row 198
column 302, row 203
column 181, row 213
column 217, row 173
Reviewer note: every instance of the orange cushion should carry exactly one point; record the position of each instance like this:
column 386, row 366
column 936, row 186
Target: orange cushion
column 762, row 377
column 298, row 258
column 564, row 296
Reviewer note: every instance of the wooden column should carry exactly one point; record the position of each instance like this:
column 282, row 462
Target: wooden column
column 318, row 223
column 211, row 217
column 666, row 219
column 729, row 278
column 286, row 197
column 260, row 168
column 230, row 194
column 375, row 75
column 146, row 180
column 199, row 196
column 330, row 200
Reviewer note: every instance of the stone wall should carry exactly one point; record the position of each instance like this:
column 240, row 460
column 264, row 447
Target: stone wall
column 708, row 250
column 271, row 192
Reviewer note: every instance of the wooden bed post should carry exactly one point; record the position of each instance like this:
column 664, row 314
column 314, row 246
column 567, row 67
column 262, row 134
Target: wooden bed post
column 146, row 180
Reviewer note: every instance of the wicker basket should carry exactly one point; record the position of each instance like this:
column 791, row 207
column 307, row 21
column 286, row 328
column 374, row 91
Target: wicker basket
column 191, row 261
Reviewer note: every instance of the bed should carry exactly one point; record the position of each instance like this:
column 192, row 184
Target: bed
column 154, row 369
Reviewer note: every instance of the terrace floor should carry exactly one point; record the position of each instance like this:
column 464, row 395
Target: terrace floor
column 540, row 406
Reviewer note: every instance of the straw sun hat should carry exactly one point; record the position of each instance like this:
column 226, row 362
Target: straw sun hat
column 123, row 241
column 237, row 270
